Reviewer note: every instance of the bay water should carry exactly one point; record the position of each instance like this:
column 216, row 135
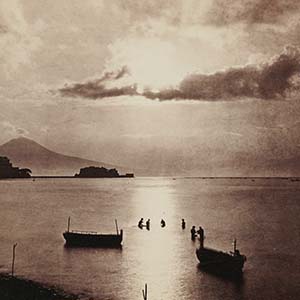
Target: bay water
column 262, row 214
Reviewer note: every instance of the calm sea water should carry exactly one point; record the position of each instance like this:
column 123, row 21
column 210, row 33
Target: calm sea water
column 263, row 215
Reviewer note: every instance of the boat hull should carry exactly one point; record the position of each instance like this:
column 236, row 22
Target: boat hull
column 75, row 239
column 218, row 261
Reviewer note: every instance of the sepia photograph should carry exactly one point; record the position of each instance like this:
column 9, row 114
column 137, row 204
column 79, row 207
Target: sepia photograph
column 149, row 150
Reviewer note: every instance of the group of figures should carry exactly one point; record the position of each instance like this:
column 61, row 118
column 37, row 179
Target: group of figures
column 199, row 233
column 163, row 224
column 194, row 233
column 141, row 224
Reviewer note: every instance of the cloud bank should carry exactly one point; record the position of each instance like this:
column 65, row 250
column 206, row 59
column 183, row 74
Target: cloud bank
column 277, row 78
column 99, row 88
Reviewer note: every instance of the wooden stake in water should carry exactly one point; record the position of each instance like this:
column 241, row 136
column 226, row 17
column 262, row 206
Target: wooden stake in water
column 13, row 259
column 145, row 292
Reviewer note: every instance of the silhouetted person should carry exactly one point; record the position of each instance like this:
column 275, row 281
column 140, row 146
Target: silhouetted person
column 162, row 223
column 193, row 233
column 148, row 224
column 200, row 231
column 182, row 224
column 140, row 224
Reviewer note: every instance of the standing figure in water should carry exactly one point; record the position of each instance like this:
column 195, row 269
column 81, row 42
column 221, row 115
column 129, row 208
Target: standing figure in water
column 200, row 231
column 148, row 224
column 162, row 223
column 140, row 224
column 193, row 233
column 182, row 224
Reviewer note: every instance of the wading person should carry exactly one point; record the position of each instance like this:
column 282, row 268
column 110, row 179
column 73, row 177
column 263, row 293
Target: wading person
column 140, row 224
column 200, row 231
column 148, row 224
column 182, row 224
column 193, row 233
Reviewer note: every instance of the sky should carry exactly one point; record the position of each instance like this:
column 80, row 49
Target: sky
column 193, row 87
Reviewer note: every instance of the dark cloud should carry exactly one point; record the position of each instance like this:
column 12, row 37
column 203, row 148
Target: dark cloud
column 94, row 91
column 250, row 11
column 273, row 79
column 113, row 75
column 99, row 88
column 267, row 81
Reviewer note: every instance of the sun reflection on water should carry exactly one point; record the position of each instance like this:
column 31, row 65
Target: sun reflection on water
column 154, row 252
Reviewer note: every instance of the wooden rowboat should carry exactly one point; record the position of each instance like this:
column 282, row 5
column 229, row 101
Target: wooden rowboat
column 76, row 238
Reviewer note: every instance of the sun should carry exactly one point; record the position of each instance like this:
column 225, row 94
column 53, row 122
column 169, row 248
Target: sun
column 153, row 63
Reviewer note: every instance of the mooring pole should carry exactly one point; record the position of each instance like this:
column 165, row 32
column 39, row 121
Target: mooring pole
column 234, row 245
column 13, row 259
column 117, row 226
column 69, row 221
column 145, row 292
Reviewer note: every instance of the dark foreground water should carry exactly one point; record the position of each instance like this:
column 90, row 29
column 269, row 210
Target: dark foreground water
column 263, row 214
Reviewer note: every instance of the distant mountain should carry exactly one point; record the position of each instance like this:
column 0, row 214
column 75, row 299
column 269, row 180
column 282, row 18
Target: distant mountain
column 151, row 161
column 42, row 161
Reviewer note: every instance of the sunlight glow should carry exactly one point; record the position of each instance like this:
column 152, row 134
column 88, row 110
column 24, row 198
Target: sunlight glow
column 153, row 63
column 156, row 202
column 154, row 248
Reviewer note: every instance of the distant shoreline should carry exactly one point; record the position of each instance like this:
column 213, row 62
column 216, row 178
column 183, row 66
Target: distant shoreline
column 66, row 176
column 241, row 177
column 62, row 176
column 293, row 178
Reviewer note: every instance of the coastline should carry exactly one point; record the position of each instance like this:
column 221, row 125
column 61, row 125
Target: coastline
column 18, row 288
